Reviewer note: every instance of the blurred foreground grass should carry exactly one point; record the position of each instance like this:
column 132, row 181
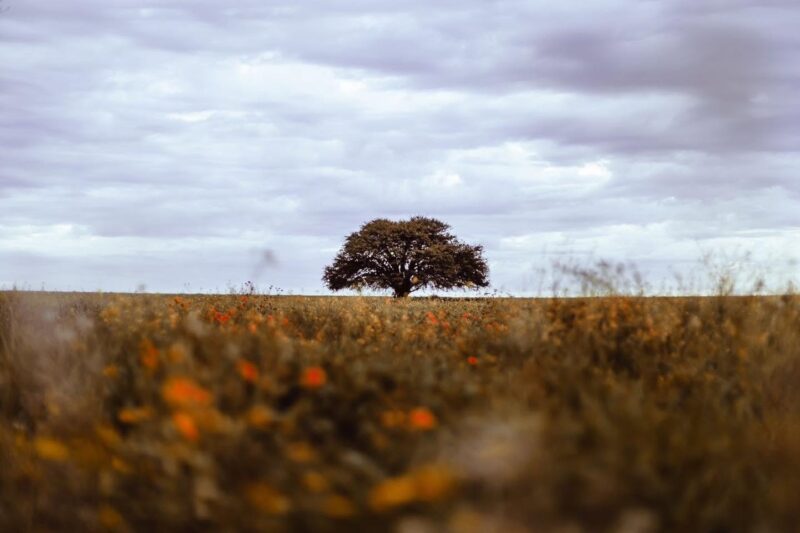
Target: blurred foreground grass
column 244, row 412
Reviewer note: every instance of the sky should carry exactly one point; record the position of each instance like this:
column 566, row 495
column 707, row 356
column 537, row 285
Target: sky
column 193, row 145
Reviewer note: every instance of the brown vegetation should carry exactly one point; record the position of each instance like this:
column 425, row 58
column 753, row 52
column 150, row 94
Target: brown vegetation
column 290, row 413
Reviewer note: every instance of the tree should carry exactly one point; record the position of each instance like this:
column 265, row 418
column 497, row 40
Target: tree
column 406, row 256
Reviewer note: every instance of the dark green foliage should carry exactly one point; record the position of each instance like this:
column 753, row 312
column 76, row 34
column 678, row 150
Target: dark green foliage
column 406, row 256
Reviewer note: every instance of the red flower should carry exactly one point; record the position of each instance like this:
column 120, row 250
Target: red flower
column 422, row 419
column 313, row 377
column 183, row 392
column 247, row 370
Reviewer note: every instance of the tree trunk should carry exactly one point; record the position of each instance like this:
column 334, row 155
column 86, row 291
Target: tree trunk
column 404, row 289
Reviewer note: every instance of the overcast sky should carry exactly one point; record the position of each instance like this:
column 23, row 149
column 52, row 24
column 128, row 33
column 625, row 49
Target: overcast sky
column 170, row 143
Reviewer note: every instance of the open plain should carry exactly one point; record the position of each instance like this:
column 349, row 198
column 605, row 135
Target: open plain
column 252, row 412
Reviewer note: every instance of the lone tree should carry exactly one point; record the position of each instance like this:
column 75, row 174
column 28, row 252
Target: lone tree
column 406, row 256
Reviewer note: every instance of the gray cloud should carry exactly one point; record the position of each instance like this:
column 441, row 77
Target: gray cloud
column 170, row 142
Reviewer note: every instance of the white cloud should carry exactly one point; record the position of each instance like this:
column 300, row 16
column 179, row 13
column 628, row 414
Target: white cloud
column 444, row 179
column 195, row 136
column 192, row 116
column 597, row 169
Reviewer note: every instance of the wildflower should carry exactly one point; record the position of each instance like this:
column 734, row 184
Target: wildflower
column 428, row 483
column 220, row 317
column 433, row 482
column 248, row 371
column 148, row 355
column 422, row 419
column 50, row 449
column 176, row 353
column 259, row 416
column 108, row 435
column 313, row 377
column 134, row 415
column 185, row 425
column 472, row 360
column 184, row 392
column 109, row 517
column 111, row 371
column 393, row 418
column 336, row 506
column 121, row 466
column 431, row 318
column 267, row 499
column 109, row 314
column 301, row 452
column 392, row 493
column 315, row 482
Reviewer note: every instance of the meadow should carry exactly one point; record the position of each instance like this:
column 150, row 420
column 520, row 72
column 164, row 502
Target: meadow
column 249, row 412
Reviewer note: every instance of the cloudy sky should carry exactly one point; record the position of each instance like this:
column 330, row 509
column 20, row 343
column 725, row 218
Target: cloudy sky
column 170, row 143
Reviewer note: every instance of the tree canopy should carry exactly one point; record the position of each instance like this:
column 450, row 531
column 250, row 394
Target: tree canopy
column 406, row 256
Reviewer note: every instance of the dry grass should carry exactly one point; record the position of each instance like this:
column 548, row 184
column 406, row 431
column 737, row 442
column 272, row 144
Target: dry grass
column 288, row 413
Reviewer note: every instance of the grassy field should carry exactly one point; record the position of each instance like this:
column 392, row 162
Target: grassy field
column 247, row 412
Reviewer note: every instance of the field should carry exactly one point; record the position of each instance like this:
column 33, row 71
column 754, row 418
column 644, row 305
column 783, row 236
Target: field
column 276, row 413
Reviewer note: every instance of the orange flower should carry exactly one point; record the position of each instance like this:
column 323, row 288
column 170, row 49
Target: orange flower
column 313, row 377
column 185, row 425
column 50, row 449
column 393, row 418
column 184, row 392
column 176, row 353
column 134, row 415
column 108, row 435
column 315, row 482
column 121, row 466
column 248, row 371
column 301, row 452
column 111, row 371
column 422, row 419
column 336, row 506
column 109, row 517
column 220, row 317
column 472, row 360
column 434, row 482
column 148, row 355
column 259, row 416
column 431, row 318
column 267, row 499
column 391, row 493
column 428, row 483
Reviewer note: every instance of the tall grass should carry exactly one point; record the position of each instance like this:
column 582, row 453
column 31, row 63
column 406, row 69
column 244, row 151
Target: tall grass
column 247, row 412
